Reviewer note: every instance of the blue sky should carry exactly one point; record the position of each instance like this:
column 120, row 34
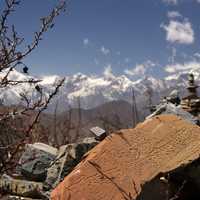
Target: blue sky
column 119, row 34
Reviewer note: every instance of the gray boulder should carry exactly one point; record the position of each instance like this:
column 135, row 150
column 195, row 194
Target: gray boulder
column 169, row 108
column 35, row 161
column 68, row 157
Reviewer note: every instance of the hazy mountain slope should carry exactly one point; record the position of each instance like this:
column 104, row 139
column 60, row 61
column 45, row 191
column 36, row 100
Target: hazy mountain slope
column 110, row 116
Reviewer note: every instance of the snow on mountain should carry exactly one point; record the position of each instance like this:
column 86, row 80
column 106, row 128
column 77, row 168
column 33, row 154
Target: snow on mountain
column 94, row 90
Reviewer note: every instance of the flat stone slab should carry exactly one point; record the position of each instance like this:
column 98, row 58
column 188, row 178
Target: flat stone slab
column 35, row 161
column 120, row 165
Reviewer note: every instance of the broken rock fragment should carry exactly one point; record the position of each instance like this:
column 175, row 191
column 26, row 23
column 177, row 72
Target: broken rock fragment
column 68, row 157
column 22, row 188
column 35, row 160
column 169, row 108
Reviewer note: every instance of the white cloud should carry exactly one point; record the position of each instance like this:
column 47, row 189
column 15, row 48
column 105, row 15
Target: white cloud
column 173, row 14
column 187, row 67
column 179, row 32
column 172, row 2
column 176, row 2
column 86, row 42
column 197, row 55
column 104, row 50
column 127, row 60
column 141, row 69
column 108, row 73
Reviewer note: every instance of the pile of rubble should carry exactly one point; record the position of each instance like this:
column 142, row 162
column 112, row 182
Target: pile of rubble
column 41, row 168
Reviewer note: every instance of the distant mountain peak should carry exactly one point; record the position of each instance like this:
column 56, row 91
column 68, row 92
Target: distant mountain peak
column 94, row 90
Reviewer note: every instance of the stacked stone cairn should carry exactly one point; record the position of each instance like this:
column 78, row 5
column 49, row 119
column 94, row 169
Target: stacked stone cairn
column 187, row 108
column 191, row 103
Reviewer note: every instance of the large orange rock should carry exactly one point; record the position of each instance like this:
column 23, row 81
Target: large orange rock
column 118, row 167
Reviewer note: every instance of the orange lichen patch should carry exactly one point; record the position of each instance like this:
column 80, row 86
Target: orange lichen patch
column 118, row 167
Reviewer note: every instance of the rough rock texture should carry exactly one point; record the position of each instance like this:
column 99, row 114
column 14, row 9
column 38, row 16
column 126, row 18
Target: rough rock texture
column 68, row 157
column 35, row 160
column 20, row 187
column 11, row 197
column 120, row 165
column 179, row 184
column 46, row 163
column 169, row 108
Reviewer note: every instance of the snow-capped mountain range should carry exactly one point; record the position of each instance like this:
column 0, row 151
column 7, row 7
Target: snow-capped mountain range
column 95, row 90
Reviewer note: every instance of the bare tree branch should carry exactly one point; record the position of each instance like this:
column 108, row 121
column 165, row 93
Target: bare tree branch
column 11, row 57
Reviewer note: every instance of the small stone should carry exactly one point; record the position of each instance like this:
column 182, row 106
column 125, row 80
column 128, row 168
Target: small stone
column 99, row 133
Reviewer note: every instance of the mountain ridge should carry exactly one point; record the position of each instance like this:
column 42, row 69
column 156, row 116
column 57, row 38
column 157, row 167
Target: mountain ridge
column 93, row 91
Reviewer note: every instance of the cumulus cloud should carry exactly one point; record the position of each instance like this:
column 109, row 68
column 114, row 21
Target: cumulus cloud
column 179, row 32
column 86, row 42
column 176, row 2
column 173, row 14
column 187, row 67
column 127, row 60
column 108, row 73
column 172, row 2
column 197, row 55
column 141, row 69
column 104, row 50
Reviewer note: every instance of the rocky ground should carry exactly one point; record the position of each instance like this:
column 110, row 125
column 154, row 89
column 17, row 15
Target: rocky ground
column 41, row 168
column 159, row 159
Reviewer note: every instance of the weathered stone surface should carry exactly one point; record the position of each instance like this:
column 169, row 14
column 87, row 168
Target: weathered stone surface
column 46, row 148
column 11, row 197
column 120, row 165
column 68, row 157
column 35, row 160
column 99, row 133
column 20, row 187
column 169, row 108
column 90, row 142
column 181, row 183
